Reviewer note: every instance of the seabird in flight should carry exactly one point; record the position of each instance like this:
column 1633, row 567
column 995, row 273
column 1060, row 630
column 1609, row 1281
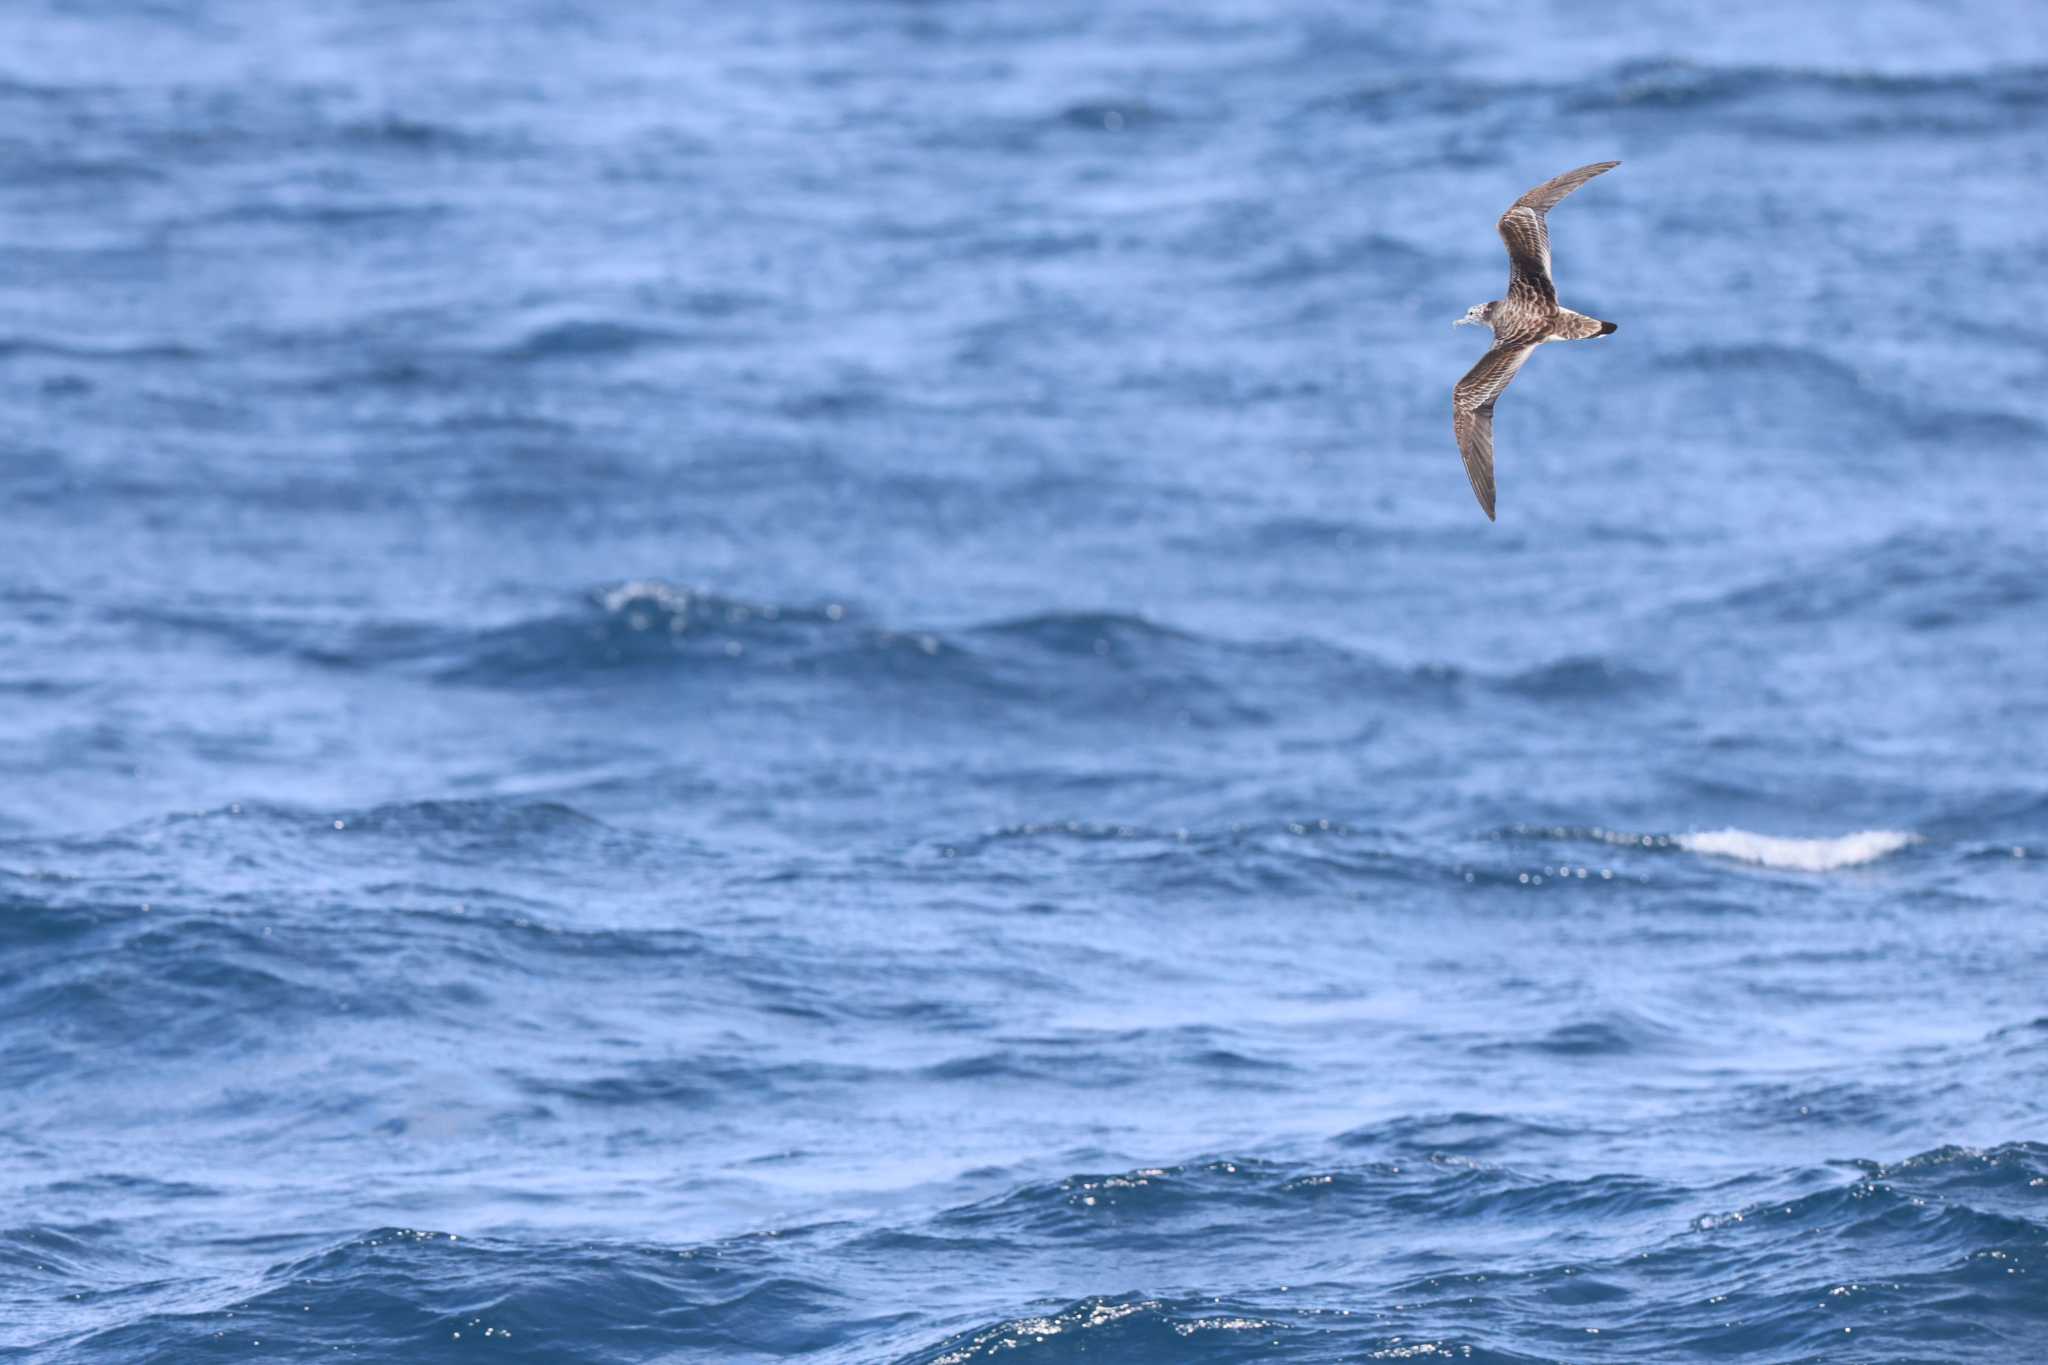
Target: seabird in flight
column 1524, row 320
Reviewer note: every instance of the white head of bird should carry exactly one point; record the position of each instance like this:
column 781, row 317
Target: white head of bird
column 1479, row 314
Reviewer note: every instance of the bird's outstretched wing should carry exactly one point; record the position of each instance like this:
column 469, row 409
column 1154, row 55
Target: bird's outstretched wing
column 1528, row 237
column 1472, row 412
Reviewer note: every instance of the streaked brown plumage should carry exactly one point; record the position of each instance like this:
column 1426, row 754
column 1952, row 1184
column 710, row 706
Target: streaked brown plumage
column 1524, row 320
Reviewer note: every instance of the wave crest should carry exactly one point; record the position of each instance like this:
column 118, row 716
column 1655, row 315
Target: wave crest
column 1798, row 855
column 1824, row 854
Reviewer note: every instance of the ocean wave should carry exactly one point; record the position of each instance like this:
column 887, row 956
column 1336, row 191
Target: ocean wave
column 1952, row 1200
column 1083, row 666
column 625, row 626
column 1161, row 1201
column 113, row 352
column 1788, row 103
column 1115, row 115
column 389, row 1293
column 2002, row 823
column 1954, row 1231
column 1795, row 102
column 1581, row 677
column 84, row 1252
column 1459, row 1134
column 1263, row 858
column 1920, row 1246
column 1824, row 854
column 1308, row 852
column 1745, row 383
column 1798, row 855
column 252, row 943
column 1614, row 1033
column 1917, row 579
column 1126, row 1328
column 2009, row 1177
column 30, row 921
column 397, row 131
column 1850, row 1106
column 577, row 338
column 266, row 835
column 341, row 215
column 699, row 1081
column 1085, row 632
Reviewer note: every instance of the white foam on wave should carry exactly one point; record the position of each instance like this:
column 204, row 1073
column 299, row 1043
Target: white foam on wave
column 1798, row 855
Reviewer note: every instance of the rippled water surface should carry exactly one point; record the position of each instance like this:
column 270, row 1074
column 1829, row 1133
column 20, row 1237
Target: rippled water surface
column 717, row 682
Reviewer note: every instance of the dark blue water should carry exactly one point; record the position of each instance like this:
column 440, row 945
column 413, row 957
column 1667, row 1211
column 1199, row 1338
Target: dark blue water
column 719, row 682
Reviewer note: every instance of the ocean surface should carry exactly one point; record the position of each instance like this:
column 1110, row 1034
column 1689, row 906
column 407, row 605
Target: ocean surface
column 816, row 681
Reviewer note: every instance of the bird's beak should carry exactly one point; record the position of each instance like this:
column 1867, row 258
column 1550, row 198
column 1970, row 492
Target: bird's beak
column 1461, row 322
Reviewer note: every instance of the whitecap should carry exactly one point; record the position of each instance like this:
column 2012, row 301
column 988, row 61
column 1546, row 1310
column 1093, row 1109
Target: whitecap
column 1798, row 855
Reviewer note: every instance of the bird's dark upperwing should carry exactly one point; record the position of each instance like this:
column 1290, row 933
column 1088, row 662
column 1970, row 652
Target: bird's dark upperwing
column 1472, row 412
column 1528, row 236
column 1546, row 196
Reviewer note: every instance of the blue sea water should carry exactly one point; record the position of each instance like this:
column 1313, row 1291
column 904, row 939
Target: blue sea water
column 816, row 681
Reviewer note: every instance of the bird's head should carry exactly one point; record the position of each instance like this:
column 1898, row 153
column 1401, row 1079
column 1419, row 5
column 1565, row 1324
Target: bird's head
column 1479, row 314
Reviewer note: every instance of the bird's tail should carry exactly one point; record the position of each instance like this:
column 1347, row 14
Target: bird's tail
column 1577, row 326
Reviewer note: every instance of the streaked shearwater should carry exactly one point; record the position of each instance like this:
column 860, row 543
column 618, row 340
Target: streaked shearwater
column 1524, row 320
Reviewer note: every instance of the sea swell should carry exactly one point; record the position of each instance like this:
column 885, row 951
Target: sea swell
column 817, row 683
column 654, row 630
column 1957, row 1224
